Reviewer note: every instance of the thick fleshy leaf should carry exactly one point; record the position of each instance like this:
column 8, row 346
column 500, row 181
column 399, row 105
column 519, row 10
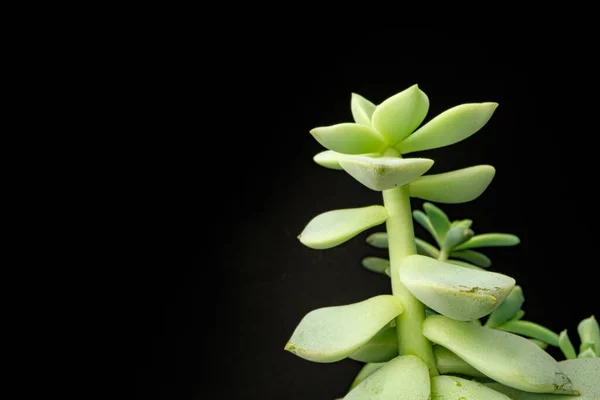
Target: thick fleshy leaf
column 539, row 343
column 382, row 173
column 381, row 348
column 455, row 236
column 465, row 222
column 519, row 315
column 335, row 227
column 329, row 159
column 505, row 357
column 450, row 363
column 583, row 374
column 403, row 378
column 566, row 346
column 465, row 264
column 587, row 353
column 426, row 249
column 460, row 293
column 508, row 309
column 425, row 222
column 530, row 329
column 458, row 186
column 365, row 372
column 473, row 257
column 453, row 387
column 438, row 219
column 489, row 240
column 376, row 264
column 398, row 116
column 378, row 239
column 362, row 109
column 349, row 138
column 333, row 333
column 589, row 334
column 449, row 127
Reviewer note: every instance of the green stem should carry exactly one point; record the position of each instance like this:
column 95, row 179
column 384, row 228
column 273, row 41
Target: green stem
column 401, row 240
column 443, row 255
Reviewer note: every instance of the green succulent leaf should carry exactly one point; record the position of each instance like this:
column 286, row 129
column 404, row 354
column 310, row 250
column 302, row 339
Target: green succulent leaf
column 473, row 256
column 464, row 264
column 403, row 378
column 449, row 363
column 382, row 173
column 532, row 330
column 378, row 240
column 455, row 236
column 458, row 186
column 587, row 353
column 362, row 109
column 465, row 223
column 426, row 249
column 453, row 387
column 376, row 264
column 366, row 371
column 439, row 220
column 582, row 372
column 566, row 346
column 336, row 227
column 489, row 240
column 425, row 222
column 539, row 343
column 508, row 309
column 398, row 116
column 589, row 333
column 505, row 357
column 449, row 127
column 381, row 348
column 460, row 293
column 349, row 138
column 331, row 334
column 329, row 159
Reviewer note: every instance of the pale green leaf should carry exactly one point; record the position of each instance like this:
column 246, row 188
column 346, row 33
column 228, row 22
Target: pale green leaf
column 532, row 330
column 508, row 309
column 464, row 264
column 349, row 138
column 587, row 353
column 382, row 173
column 473, row 257
column 589, row 334
column 362, row 109
column 328, row 159
column 365, row 372
column 465, row 222
column 566, row 346
column 449, row 363
column 460, row 293
column 582, row 372
column 333, row 333
column 438, row 219
column 453, row 387
column 519, row 315
column 505, row 357
column 455, row 236
column 335, row 227
column 539, row 343
column 381, row 348
column 376, row 264
column 489, row 240
column 426, row 249
column 398, row 116
column 458, row 186
column 449, row 127
column 378, row 239
column 403, row 378
column 425, row 222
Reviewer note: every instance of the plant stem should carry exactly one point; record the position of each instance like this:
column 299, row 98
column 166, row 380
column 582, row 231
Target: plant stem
column 443, row 255
column 401, row 240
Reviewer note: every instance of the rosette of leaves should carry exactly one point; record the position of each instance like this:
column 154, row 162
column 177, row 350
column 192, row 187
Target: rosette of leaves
column 416, row 341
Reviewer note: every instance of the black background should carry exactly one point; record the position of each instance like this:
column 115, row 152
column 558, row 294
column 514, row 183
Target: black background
column 211, row 319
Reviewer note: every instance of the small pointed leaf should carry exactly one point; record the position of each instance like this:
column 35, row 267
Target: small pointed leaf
column 507, row 358
column 403, row 378
column 508, row 309
column 376, row 264
column 473, row 256
column 365, row 372
column 456, row 236
column 458, row 186
column 465, row 222
column 587, row 353
column 378, row 239
column 425, row 222
column 335, row 227
column 349, row 138
column 449, row 127
column 460, row 293
column 539, row 343
column 362, row 109
column 453, row 387
column 426, row 249
column 382, row 173
column 331, row 334
column 464, row 264
column 438, row 219
column 329, row 159
column 589, row 334
column 450, row 363
column 398, row 116
column 381, row 348
column 566, row 346
column 489, row 240
column 530, row 329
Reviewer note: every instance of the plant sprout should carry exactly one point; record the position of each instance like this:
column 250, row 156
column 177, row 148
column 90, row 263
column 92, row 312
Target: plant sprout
column 451, row 328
